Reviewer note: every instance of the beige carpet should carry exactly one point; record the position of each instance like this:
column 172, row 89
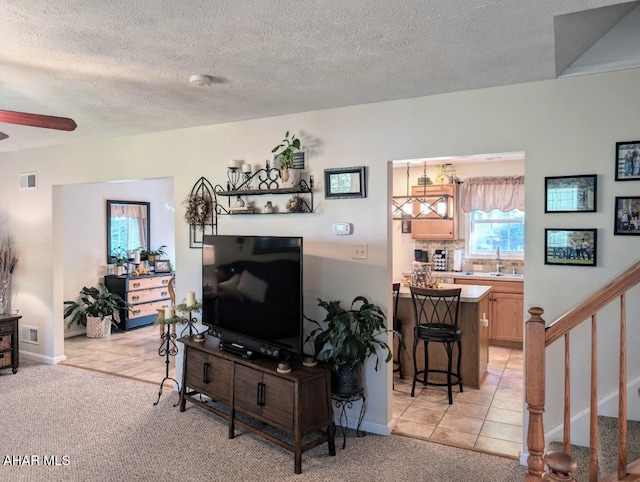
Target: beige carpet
column 106, row 428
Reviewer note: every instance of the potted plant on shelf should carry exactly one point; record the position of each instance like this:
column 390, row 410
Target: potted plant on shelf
column 284, row 153
column 96, row 310
column 152, row 254
column 346, row 338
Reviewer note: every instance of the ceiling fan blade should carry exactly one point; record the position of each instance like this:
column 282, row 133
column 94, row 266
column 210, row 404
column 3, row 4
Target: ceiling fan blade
column 3, row 136
column 38, row 120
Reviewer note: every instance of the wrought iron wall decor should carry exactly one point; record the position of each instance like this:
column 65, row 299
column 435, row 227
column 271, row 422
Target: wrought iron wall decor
column 201, row 212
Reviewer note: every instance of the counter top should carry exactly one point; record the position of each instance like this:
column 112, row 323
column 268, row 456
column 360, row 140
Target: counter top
column 469, row 293
column 480, row 275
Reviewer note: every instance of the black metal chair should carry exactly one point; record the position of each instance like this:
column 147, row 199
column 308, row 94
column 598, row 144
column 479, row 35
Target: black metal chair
column 436, row 320
column 397, row 323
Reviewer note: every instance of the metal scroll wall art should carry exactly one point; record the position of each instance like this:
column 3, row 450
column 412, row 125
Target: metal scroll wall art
column 201, row 212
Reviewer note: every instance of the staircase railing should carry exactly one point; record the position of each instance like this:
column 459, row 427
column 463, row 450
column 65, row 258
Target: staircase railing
column 537, row 339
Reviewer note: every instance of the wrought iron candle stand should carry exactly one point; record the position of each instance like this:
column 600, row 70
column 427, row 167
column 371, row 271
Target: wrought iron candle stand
column 167, row 349
column 190, row 320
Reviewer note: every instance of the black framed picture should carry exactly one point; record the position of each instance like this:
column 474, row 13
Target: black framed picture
column 628, row 161
column 570, row 194
column 627, row 212
column 345, row 182
column 163, row 266
column 570, row 247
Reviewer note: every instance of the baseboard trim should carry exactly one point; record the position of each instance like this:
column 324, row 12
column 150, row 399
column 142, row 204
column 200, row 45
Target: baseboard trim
column 37, row 357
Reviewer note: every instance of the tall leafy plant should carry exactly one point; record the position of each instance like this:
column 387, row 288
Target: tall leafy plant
column 286, row 149
column 98, row 302
column 349, row 337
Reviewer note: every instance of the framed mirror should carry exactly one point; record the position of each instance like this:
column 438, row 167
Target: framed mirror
column 127, row 228
column 345, row 182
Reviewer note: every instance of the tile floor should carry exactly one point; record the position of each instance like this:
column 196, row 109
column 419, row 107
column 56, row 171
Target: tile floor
column 132, row 354
column 488, row 419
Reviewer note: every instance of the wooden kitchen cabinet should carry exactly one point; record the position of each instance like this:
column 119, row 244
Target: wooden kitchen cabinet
column 432, row 225
column 506, row 310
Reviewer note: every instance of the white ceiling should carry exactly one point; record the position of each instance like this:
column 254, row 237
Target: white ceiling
column 122, row 67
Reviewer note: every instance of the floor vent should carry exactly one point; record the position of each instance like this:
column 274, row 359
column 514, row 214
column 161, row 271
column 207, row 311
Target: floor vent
column 29, row 334
column 28, row 181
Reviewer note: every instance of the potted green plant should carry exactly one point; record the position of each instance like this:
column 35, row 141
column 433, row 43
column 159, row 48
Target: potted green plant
column 284, row 153
column 346, row 338
column 152, row 254
column 96, row 310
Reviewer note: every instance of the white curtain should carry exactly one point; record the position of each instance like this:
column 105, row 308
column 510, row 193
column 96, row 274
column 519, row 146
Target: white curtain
column 488, row 193
column 138, row 212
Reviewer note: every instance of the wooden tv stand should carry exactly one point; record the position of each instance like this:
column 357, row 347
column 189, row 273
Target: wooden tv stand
column 296, row 403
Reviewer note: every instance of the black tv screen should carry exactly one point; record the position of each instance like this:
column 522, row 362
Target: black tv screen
column 252, row 291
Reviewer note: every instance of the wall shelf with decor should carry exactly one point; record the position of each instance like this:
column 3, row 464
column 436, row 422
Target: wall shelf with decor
column 264, row 182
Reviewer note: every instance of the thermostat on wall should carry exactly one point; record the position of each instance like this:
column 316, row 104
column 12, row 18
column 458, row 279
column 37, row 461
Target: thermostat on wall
column 342, row 228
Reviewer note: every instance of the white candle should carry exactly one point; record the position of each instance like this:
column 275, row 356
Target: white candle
column 191, row 298
column 169, row 313
column 234, row 163
column 246, row 167
column 136, row 258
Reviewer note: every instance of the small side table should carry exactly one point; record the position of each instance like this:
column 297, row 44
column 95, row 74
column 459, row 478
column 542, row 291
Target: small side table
column 344, row 402
column 9, row 355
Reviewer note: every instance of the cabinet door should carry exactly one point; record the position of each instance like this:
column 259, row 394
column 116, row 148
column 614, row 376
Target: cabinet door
column 246, row 390
column 278, row 401
column 196, row 375
column 508, row 313
column 434, row 227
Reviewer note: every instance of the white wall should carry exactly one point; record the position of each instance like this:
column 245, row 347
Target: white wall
column 567, row 126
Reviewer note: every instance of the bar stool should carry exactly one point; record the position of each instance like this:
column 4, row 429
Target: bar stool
column 397, row 323
column 436, row 320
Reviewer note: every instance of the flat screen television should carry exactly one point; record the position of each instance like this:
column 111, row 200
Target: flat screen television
column 252, row 292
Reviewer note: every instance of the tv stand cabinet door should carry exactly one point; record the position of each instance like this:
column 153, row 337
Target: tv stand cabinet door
column 278, row 401
column 209, row 375
column 246, row 390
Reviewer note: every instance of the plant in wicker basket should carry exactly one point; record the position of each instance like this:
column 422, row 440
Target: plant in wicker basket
column 95, row 302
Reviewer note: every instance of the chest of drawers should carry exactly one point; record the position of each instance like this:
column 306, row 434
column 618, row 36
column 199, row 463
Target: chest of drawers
column 147, row 294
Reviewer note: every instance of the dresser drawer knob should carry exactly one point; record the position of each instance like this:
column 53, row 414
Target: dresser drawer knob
column 163, row 293
column 165, row 281
column 136, row 312
column 135, row 298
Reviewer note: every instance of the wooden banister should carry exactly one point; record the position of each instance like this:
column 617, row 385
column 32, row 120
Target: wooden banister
column 615, row 288
column 537, row 338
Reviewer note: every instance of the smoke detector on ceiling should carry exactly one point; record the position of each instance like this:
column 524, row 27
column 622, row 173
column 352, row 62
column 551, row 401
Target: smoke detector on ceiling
column 200, row 80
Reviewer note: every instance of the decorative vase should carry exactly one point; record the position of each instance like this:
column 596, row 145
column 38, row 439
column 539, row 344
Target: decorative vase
column 5, row 294
column 284, row 175
column 347, row 380
column 293, row 178
column 98, row 327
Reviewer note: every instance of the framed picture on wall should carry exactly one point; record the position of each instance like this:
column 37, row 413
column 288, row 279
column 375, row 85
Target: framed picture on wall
column 570, row 247
column 627, row 213
column 628, row 161
column 570, row 194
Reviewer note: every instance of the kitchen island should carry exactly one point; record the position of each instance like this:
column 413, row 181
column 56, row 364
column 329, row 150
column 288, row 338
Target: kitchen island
column 474, row 308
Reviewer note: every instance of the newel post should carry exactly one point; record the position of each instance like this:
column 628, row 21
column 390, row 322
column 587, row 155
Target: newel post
column 534, row 391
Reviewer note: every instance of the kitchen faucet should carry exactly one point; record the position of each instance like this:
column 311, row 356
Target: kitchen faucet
column 498, row 264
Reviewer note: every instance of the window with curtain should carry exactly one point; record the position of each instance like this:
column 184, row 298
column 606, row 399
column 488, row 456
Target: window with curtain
column 496, row 215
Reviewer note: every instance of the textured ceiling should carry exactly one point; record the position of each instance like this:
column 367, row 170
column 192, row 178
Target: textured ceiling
column 122, row 67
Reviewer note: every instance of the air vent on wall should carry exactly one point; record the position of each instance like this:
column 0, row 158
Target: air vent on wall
column 28, row 181
column 29, row 334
